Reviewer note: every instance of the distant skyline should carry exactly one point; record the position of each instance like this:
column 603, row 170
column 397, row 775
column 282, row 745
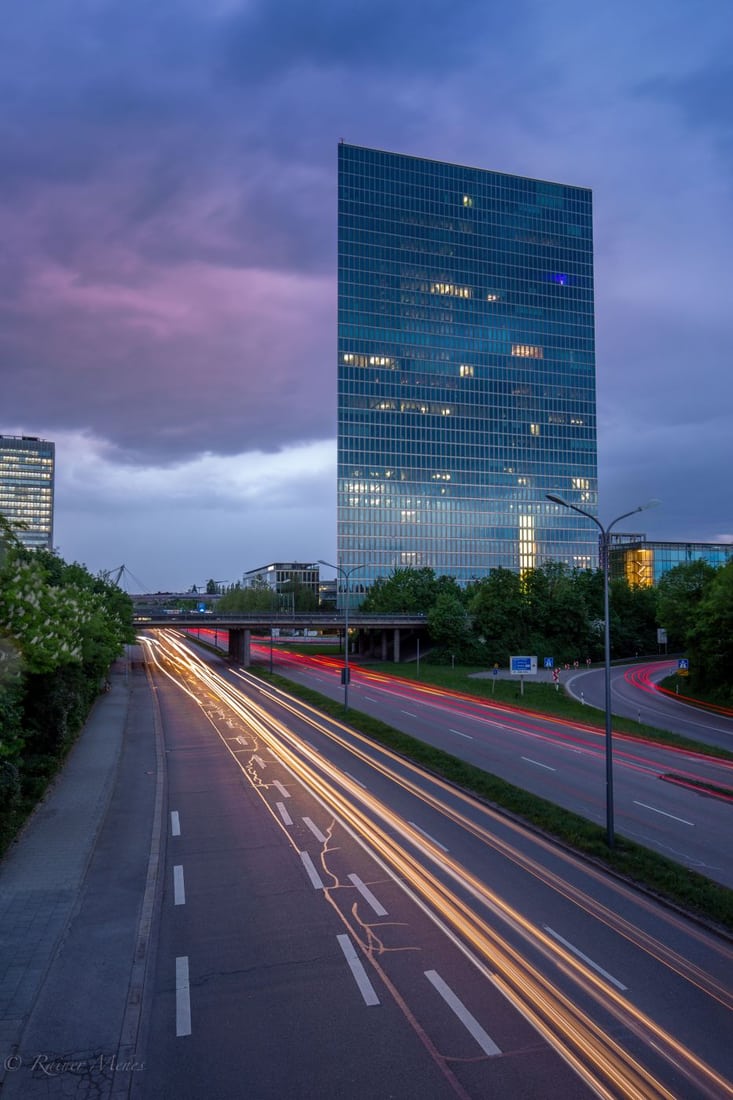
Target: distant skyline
column 168, row 278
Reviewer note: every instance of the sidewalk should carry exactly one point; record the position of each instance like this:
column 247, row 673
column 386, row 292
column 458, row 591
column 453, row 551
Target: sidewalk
column 42, row 877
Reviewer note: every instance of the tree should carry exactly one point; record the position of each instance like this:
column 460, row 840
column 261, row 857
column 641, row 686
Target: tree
column 449, row 623
column 679, row 594
column 633, row 614
column 497, row 606
column 406, row 590
column 711, row 638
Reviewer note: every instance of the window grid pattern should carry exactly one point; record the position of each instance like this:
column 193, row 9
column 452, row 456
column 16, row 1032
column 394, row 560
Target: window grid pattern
column 27, row 488
column 643, row 562
column 466, row 368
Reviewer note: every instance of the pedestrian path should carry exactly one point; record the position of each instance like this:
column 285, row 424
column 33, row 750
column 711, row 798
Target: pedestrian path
column 43, row 871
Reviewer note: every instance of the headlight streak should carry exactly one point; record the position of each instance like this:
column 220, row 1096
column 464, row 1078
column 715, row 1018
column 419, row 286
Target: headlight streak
column 549, row 1010
column 611, row 919
column 653, row 947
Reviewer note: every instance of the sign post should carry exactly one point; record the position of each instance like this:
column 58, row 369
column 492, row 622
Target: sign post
column 521, row 667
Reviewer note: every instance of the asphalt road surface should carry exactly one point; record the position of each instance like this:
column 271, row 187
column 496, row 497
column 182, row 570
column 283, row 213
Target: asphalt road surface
column 334, row 922
column 662, row 797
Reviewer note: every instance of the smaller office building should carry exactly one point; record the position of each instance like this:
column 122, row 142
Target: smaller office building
column 27, row 470
column 643, row 562
column 281, row 576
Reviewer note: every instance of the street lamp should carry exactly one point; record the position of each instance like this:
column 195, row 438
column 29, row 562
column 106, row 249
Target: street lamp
column 345, row 672
column 605, row 542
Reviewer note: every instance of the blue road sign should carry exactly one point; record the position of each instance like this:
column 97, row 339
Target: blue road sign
column 683, row 663
column 523, row 666
column 549, row 662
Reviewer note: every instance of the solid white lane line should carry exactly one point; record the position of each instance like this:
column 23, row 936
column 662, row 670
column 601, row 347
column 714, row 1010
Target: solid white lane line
column 315, row 830
column 428, row 836
column 183, row 997
column 538, row 764
column 356, row 966
column 283, row 790
column 179, row 890
column 368, row 896
column 469, row 1021
column 287, row 819
column 175, row 823
column 656, row 811
column 259, row 761
column 462, row 734
column 311, row 871
column 585, row 958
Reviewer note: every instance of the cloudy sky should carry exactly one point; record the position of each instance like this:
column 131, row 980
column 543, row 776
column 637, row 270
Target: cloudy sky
column 168, row 261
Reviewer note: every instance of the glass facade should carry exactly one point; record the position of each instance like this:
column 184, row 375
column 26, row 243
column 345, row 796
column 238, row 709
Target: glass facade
column 278, row 575
column 27, row 487
column 466, row 368
column 642, row 562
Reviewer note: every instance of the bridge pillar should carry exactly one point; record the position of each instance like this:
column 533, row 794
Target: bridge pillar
column 238, row 650
column 384, row 645
column 396, row 645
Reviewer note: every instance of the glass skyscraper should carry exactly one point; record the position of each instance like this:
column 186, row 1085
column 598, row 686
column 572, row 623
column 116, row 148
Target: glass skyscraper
column 466, row 368
column 27, row 488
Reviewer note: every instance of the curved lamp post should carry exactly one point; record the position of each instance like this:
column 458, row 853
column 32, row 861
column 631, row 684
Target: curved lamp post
column 605, row 542
column 345, row 573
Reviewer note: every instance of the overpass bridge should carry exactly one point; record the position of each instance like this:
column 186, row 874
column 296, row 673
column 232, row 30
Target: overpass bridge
column 379, row 635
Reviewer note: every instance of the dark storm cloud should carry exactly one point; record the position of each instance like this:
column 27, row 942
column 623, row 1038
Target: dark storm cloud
column 168, row 177
column 168, row 214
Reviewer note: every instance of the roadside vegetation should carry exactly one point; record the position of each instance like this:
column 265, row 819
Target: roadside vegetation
column 555, row 611
column 60, row 630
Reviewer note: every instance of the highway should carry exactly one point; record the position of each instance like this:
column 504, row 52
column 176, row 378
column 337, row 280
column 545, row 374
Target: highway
column 672, row 801
column 335, row 922
column 634, row 694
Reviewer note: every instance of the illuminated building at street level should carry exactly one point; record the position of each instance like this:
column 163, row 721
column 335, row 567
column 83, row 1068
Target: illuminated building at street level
column 643, row 562
column 27, row 488
column 466, row 368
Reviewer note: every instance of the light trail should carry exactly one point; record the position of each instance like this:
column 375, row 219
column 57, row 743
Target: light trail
column 600, row 1061
column 372, row 754
column 588, row 739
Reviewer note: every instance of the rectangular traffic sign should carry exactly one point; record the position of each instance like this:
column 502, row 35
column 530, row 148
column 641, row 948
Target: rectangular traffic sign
column 523, row 666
